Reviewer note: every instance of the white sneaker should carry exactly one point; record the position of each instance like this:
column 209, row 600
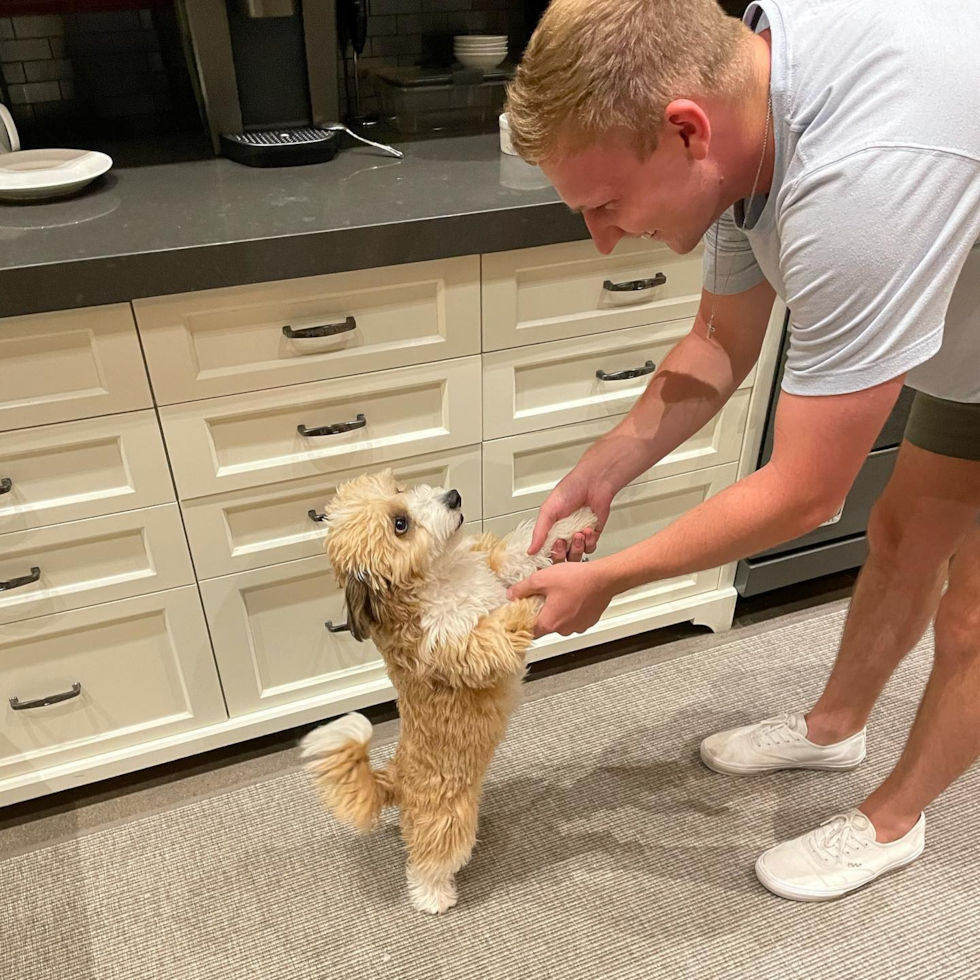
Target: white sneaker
column 836, row 858
column 779, row 743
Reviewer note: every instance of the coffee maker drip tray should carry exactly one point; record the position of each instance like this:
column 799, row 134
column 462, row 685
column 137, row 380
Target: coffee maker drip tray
column 281, row 147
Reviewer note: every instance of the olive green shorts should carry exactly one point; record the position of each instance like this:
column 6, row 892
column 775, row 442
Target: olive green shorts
column 944, row 427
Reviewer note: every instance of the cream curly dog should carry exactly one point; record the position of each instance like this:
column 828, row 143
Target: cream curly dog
column 434, row 602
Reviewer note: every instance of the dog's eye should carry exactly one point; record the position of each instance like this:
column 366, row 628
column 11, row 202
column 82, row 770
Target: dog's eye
column 401, row 524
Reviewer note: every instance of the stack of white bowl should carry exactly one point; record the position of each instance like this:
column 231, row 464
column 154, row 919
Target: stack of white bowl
column 485, row 51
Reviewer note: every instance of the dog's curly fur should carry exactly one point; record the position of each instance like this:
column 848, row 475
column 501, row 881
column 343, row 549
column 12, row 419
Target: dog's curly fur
column 434, row 602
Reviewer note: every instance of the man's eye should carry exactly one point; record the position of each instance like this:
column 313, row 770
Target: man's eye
column 401, row 525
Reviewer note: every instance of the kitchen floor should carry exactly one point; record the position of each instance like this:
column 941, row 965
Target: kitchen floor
column 75, row 813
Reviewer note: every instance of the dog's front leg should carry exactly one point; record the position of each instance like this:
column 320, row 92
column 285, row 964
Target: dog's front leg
column 492, row 650
column 508, row 557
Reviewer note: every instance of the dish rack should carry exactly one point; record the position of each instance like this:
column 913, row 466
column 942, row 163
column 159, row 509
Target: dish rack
column 427, row 100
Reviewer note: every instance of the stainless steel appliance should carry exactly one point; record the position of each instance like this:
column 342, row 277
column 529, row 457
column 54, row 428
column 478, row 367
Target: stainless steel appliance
column 841, row 543
column 267, row 77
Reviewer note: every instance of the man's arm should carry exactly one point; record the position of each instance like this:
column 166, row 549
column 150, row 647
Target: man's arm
column 820, row 445
column 691, row 386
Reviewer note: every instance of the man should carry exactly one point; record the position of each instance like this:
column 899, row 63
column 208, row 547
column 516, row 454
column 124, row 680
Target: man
column 828, row 151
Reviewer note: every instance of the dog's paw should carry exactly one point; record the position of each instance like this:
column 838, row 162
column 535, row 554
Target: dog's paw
column 353, row 727
column 432, row 895
column 583, row 519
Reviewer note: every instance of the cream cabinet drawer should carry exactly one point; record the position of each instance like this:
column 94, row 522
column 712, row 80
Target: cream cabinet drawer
column 66, row 472
column 246, row 529
column 133, row 671
column 547, row 385
column 66, row 566
column 250, row 440
column 271, row 640
column 70, row 365
column 640, row 511
column 520, row 471
column 555, row 291
column 224, row 341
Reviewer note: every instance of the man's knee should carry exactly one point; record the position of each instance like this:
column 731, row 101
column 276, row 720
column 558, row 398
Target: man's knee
column 909, row 537
column 958, row 626
column 958, row 617
column 887, row 530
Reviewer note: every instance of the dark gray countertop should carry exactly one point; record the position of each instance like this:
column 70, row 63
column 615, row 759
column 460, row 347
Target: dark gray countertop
column 149, row 231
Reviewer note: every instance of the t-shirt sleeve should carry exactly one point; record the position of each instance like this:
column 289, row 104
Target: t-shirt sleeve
column 871, row 248
column 729, row 265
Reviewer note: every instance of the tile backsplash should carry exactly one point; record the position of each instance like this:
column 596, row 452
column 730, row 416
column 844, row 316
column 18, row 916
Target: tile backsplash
column 109, row 68
column 105, row 64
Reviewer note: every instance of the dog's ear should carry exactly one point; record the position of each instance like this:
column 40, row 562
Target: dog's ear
column 360, row 616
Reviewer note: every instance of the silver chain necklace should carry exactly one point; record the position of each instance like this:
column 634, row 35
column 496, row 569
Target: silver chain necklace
column 748, row 210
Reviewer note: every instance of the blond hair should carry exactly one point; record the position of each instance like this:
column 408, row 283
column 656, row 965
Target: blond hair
column 594, row 67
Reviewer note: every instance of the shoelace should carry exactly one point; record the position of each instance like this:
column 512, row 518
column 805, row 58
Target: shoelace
column 776, row 731
column 836, row 839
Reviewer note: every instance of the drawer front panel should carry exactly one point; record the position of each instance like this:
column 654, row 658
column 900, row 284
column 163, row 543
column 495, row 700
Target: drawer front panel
column 82, row 469
column 70, row 365
column 144, row 669
column 520, row 471
column 556, row 291
column 271, row 641
column 555, row 384
column 249, row 529
column 639, row 512
column 225, row 341
column 253, row 440
column 96, row 560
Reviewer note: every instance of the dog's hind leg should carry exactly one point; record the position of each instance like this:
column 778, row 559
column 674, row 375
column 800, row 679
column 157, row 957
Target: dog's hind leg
column 341, row 770
column 440, row 842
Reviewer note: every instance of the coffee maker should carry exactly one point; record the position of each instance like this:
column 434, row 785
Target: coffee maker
column 267, row 78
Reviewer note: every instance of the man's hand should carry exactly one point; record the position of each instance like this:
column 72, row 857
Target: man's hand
column 575, row 596
column 578, row 489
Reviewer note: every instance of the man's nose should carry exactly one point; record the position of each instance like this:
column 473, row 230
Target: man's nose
column 604, row 235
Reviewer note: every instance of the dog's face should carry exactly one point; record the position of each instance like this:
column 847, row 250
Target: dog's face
column 382, row 536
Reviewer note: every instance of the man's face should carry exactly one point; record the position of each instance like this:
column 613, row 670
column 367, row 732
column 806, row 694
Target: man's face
column 670, row 196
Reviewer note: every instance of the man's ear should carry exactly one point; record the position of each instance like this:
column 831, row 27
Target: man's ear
column 360, row 616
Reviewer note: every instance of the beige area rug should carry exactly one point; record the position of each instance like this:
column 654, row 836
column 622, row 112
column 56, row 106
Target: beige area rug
column 607, row 851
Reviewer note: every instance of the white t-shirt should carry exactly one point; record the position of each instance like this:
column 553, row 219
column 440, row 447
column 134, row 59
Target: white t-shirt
column 875, row 202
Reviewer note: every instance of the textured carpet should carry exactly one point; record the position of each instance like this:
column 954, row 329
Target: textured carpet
column 607, row 851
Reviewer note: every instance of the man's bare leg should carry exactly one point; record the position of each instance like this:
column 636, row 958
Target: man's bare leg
column 925, row 513
column 945, row 739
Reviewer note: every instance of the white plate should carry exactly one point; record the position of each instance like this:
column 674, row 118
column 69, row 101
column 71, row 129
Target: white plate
column 33, row 175
column 9, row 140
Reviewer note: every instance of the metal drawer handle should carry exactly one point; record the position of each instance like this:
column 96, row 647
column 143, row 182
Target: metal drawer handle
column 635, row 285
column 16, row 583
column 342, row 628
column 6, row 484
column 314, row 516
column 19, row 705
column 647, row 368
column 326, row 330
column 332, row 430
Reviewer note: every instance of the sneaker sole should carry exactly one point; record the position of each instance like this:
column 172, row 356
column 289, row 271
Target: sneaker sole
column 784, row 890
column 727, row 769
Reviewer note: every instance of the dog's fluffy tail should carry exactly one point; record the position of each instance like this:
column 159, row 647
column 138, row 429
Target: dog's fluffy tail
column 341, row 770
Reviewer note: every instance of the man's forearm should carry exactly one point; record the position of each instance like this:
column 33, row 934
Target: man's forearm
column 691, row 386
column 754, row 514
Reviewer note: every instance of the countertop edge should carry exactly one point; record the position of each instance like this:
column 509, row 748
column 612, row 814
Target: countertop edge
column 118, row 279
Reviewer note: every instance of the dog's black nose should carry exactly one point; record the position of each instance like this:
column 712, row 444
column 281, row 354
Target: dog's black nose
column 453, row 499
